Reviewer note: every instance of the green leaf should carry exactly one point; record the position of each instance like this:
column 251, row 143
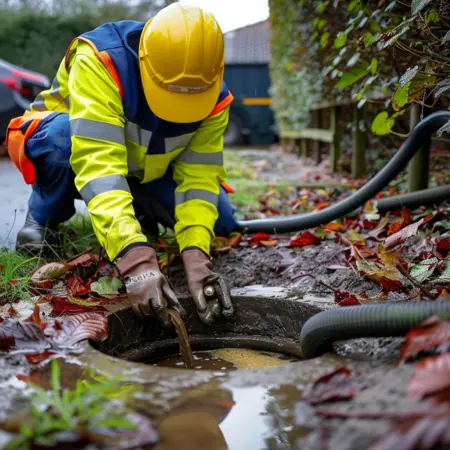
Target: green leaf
column 401, row 96
column 321, row 24
column 56, row 372
column 340, row 40
column 408, row 75
column 446, row 38
column 432, row 16
column 444, row 277
column 352, row 76
column 115, row 422
column 422, row 271
column 324, row 39
column 382, row 124
column 444, row 129
column 107, row 287
column 374, row 65
column 418, row 5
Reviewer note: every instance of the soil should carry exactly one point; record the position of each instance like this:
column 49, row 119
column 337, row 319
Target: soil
column 276, row 266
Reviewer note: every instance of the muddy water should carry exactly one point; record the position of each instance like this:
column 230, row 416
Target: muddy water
column 227, row 359
column 183, row 338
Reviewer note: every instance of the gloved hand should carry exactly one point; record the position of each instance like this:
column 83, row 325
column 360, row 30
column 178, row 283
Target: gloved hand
column 208, row 289
column 148, row 290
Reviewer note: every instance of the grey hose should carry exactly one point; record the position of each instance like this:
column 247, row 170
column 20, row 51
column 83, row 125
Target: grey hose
column 378, row 320
column 415, row 141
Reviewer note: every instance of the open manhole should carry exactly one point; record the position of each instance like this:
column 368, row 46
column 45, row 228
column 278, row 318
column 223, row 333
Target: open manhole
column 263, row 329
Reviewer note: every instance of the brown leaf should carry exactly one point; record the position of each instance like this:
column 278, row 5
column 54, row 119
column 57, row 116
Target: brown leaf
column 380, row 229
column 84, row 260
column 50, row 271
column 403, row 234
column 430, row 333
column 432, row 375
column 65, row 334
column 335, row 386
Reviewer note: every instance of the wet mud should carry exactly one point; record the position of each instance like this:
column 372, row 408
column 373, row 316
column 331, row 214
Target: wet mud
column 226, row 359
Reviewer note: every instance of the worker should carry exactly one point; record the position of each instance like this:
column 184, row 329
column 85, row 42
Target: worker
column 135, row 119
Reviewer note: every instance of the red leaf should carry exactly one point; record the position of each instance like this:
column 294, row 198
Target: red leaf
column 304, row 239
column 390, row 285
column 74, row 329
column 394, row 227
column 321, row 206
column 64, row 306
column 333, row 227
column 44, row 284
column 335, row 386
column 75, row 286
column 349, row 301
column 443, row 245
column 258, row 237
column 36, row 358
column 406, row 216
column 428, row 334
column 403, row 234
column 432, row 375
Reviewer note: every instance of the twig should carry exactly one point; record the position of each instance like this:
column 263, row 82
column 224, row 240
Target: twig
column 303, row 275
column 405, row 272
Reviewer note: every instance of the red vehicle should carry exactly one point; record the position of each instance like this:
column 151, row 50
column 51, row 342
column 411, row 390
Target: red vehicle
column 18, row 88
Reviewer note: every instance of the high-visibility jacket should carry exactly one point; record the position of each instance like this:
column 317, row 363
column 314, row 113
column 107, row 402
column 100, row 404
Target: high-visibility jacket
column 115, row 134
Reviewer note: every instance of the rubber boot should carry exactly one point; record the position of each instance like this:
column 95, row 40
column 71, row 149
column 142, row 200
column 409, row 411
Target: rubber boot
column 33, row 237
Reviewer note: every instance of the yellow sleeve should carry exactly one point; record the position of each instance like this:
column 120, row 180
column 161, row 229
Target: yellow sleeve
column 198, row 172
column 99, row 155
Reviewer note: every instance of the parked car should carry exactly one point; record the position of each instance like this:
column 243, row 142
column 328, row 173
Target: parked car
column 18, row 88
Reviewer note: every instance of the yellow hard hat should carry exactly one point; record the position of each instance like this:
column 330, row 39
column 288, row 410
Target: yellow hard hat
column 181, row 59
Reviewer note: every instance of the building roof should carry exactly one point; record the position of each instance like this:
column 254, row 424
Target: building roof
column 248, row 45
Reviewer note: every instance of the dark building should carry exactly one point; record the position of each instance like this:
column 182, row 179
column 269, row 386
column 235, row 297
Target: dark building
column 247, row 57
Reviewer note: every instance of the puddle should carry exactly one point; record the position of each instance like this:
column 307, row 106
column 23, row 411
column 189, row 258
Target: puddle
column 227, row 359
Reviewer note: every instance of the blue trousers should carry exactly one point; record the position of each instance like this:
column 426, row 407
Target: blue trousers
column 52, row 199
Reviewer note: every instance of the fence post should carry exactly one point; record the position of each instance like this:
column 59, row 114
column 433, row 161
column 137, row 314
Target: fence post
column 335, row 151
column 419, row 164
column 359, row 144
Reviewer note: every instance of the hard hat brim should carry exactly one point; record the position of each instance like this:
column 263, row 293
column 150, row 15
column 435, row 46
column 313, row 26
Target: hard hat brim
column 181, row 107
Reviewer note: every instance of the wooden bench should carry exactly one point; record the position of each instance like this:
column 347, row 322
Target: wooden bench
column 331, row 136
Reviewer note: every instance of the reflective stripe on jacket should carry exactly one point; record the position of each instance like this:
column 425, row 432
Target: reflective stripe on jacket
column 114, row 134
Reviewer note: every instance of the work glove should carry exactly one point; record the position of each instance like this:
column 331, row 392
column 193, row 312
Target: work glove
column 148, row 290
column 208, row 289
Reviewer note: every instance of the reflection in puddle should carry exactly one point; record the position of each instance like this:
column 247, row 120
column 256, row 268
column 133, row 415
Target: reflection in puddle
column 245, row 426
column 228, row 359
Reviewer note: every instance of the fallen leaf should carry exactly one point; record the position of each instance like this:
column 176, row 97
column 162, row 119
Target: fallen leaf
column 84, row 260
column 304, row 239
column 36, row 317
column 380, row 229
column 349, row 301
column 65, row 334
column 76, row 287
column 36, row 358
column 423, row 433
column 430, row 333
column 72, row 305
column 422, row 271
column 334, row 227
column 443, row 245
column 387, row 277
column 20, row 334
column 270, row 243
column 335, row 386
column 35, row 379
column 234, row 239
column 50, row 271
column 353, row 236
column 403, row 234
column 107, row 287
column 432, row 375
column 394, row 227
column 258, row 237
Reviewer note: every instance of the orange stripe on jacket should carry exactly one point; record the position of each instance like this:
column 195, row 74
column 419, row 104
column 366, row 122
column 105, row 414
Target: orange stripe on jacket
column 104, row 57
column 224, row 103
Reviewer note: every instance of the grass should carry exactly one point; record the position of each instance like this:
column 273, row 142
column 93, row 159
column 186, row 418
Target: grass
column 83, row 410
column 15, row 270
